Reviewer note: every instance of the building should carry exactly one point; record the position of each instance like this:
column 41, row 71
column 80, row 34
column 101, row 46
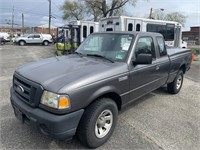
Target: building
column 45, row 29
column 192, row 36
column 27, row 30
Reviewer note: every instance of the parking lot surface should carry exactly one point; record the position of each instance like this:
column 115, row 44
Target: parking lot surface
column 157, row 121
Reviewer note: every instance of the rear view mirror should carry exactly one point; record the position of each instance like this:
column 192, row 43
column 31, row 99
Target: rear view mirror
column 143, row 59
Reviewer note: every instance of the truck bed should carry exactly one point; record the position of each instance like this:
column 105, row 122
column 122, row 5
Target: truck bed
column 175, row 51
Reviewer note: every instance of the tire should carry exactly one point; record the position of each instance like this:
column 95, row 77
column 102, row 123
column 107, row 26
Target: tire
column 175, row 86
column 45, row 43
column 22, row 43
column 93, row 121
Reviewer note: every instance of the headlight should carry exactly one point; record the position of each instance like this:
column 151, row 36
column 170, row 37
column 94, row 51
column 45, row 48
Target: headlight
column 55, row 101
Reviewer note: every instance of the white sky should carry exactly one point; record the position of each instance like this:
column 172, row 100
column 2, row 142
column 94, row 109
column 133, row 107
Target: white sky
column 36, row 11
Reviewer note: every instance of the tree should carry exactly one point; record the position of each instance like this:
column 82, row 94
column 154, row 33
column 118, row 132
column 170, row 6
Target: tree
column 109, row 8
column 73, row 10
column 176, row 16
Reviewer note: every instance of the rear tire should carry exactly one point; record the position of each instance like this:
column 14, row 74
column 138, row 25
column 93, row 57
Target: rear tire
column 22, row 43
column 175, row 86
column 97, row 123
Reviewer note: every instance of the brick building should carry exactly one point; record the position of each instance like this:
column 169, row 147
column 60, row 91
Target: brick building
column 192, row 36
column 45, row 29
column 38, row 29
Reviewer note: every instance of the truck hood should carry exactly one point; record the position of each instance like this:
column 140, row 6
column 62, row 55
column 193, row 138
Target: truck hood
column 56, row 72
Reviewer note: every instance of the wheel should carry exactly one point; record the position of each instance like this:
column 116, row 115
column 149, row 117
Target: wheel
column 97, row 123
column 175, row 86
column 22, row 43
column 46, row 43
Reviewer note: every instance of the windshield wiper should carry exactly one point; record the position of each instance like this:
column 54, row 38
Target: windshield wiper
column 100, row 56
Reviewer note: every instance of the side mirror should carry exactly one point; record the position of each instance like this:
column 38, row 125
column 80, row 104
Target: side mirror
column 143, row 59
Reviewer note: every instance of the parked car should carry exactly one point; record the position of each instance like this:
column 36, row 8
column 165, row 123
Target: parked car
column 2, row 40
column 81, row 93
column 184, row 44
column 5, row 36
column 44, row 39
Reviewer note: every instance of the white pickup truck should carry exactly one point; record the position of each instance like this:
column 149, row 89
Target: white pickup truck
column 44, row 39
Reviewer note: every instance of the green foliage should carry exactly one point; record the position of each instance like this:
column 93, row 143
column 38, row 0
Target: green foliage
column 174, row 16
column 73, row 10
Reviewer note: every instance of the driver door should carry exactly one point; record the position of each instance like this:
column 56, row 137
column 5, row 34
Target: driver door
column 143, row 77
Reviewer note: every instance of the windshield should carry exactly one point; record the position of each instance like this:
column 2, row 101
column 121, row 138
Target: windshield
column 113, row 46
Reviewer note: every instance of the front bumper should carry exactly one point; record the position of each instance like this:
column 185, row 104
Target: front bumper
column 57, row 126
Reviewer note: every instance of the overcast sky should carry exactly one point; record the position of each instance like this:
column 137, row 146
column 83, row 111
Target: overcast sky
column 36, row 11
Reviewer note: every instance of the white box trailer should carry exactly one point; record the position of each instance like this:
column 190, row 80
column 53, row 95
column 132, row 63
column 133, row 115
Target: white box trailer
column 86, row 27
column 172, row 31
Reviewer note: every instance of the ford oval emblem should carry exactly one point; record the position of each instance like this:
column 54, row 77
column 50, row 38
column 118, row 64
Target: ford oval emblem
column 20, row 88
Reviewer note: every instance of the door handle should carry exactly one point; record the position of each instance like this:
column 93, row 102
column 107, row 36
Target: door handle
column 157, row 67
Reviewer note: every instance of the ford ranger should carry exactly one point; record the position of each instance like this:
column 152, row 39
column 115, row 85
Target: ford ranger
column 81, row 93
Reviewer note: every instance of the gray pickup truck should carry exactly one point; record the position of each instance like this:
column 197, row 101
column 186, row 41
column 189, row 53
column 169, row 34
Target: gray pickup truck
column 81, row 93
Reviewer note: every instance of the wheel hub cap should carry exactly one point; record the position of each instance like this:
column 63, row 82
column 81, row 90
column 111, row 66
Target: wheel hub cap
column 103, row 124
column 179, row 82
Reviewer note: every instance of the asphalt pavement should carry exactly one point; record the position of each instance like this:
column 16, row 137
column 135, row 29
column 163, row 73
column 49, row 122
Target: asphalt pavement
column 157, row 121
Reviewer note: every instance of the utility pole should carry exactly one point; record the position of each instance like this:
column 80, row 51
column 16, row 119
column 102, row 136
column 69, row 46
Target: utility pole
column 12, row 19
column 22, row 23
column 49, row 16
column 150, row 15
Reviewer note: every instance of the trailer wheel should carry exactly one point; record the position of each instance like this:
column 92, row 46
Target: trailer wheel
column 175, row 86
column 98, row 123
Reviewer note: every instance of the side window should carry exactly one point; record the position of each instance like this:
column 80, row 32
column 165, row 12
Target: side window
column 138, row 27
column 31, row 36
column 130, row 27
column 84, row 31
column 91, row 29
column 161, row 46
column 145, row 45
column 36, row 36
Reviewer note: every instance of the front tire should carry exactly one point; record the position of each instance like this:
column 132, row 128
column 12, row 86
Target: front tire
column 22, row 43
column 98, row 123
column 45, row 43
column 175, row 86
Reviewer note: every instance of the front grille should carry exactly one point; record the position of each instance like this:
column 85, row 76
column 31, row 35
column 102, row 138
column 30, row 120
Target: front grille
column 26, row 90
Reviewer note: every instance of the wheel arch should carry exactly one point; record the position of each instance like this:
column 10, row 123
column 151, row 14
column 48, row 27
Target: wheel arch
column 183, row 68
column 107, row 92
column 22, row 40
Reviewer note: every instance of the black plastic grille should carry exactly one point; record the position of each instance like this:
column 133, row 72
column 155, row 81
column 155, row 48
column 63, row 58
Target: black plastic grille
column 26, row 90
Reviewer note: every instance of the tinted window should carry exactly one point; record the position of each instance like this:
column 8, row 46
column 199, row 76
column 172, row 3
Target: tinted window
column 31, row 36
column 36, row 36
column 138, row 27
column 166, row 30
column 130, row 27
column 84, row 31
column 91, row 29
column 145, row 45
column 161, row 46
column 109, row 29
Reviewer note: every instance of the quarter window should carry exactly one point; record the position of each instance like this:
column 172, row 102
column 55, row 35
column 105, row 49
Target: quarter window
column 161, row 46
